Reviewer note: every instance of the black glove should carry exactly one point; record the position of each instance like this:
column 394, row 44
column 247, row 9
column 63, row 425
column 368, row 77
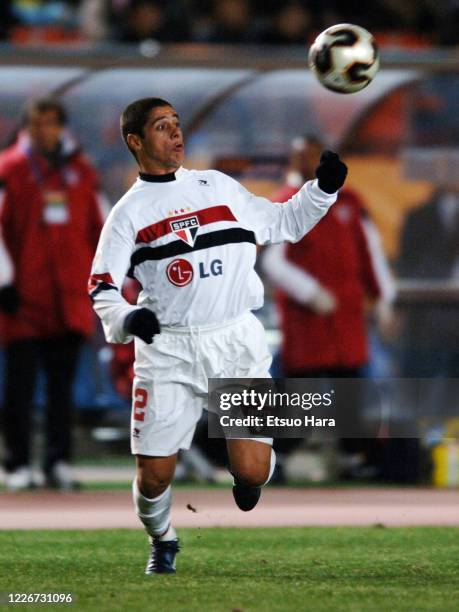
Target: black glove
column 9, row 299
column 143, row 324
column 331, row 172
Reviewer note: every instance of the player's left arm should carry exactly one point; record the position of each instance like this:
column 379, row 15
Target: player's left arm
column 289, row 222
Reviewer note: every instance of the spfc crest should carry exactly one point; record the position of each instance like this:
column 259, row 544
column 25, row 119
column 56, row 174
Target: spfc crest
column 186, row 229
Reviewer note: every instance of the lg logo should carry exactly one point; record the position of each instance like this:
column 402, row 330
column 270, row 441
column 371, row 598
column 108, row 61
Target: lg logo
column 215, row 269
column 180, row 272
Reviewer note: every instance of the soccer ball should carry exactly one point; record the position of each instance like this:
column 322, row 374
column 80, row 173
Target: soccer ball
column 344, row 58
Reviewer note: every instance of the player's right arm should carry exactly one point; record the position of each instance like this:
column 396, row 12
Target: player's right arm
column 109, row 269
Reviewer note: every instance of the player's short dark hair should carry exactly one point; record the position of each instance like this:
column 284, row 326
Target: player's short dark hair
column 44, row 105
column 135, row 116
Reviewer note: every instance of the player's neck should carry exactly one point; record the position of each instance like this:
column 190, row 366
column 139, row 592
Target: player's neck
column 154, row 169
column 157, row 178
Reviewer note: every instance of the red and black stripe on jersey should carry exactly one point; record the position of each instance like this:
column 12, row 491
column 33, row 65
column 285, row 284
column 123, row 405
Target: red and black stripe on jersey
column 100, row 282
column 231, row 235
column 214, row 214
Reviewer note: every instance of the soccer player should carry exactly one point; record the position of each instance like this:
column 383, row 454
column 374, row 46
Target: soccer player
column 189, row 237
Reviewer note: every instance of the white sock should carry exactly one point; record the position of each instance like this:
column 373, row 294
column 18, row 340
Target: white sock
column 271, row 466
column 155, row 513
column 170, row 534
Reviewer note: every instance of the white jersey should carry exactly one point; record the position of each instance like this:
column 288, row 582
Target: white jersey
column 191, row 243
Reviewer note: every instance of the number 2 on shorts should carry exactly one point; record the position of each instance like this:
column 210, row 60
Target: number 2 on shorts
column 141, row 397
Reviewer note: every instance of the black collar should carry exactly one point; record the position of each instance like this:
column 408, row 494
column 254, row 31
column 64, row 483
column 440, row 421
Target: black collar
column 157, row 178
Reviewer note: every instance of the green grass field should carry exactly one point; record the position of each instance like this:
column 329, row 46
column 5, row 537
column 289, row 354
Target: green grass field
column 335, row 569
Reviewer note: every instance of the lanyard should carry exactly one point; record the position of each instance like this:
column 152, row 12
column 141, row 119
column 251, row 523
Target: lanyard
column 38, row 174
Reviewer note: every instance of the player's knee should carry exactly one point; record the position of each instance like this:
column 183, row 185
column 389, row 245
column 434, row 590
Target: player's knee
column 151, row 485
column 252, row 474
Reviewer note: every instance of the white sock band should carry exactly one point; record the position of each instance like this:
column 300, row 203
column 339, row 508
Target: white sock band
column 271, row 466
column 154, row 513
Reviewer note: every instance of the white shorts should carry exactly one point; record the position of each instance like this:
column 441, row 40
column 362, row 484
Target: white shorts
column 170, row 384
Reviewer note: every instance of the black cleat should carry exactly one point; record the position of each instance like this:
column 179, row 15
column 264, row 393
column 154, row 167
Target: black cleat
column 162, row 558
column 246, row 497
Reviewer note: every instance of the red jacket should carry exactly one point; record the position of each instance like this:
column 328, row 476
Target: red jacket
column 50, row 221
column 336, row 253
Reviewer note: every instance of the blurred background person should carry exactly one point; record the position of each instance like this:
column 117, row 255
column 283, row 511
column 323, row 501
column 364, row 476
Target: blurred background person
column 292, row 24
column 230, row 21
column 396, row 23
column 94, row 19
column 324, row 283
column 379, row 14
column 430, row 251
column 140, row 20
column 50, row 219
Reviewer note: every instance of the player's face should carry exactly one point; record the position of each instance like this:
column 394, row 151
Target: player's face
column 161, row 149
column 45, row 130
